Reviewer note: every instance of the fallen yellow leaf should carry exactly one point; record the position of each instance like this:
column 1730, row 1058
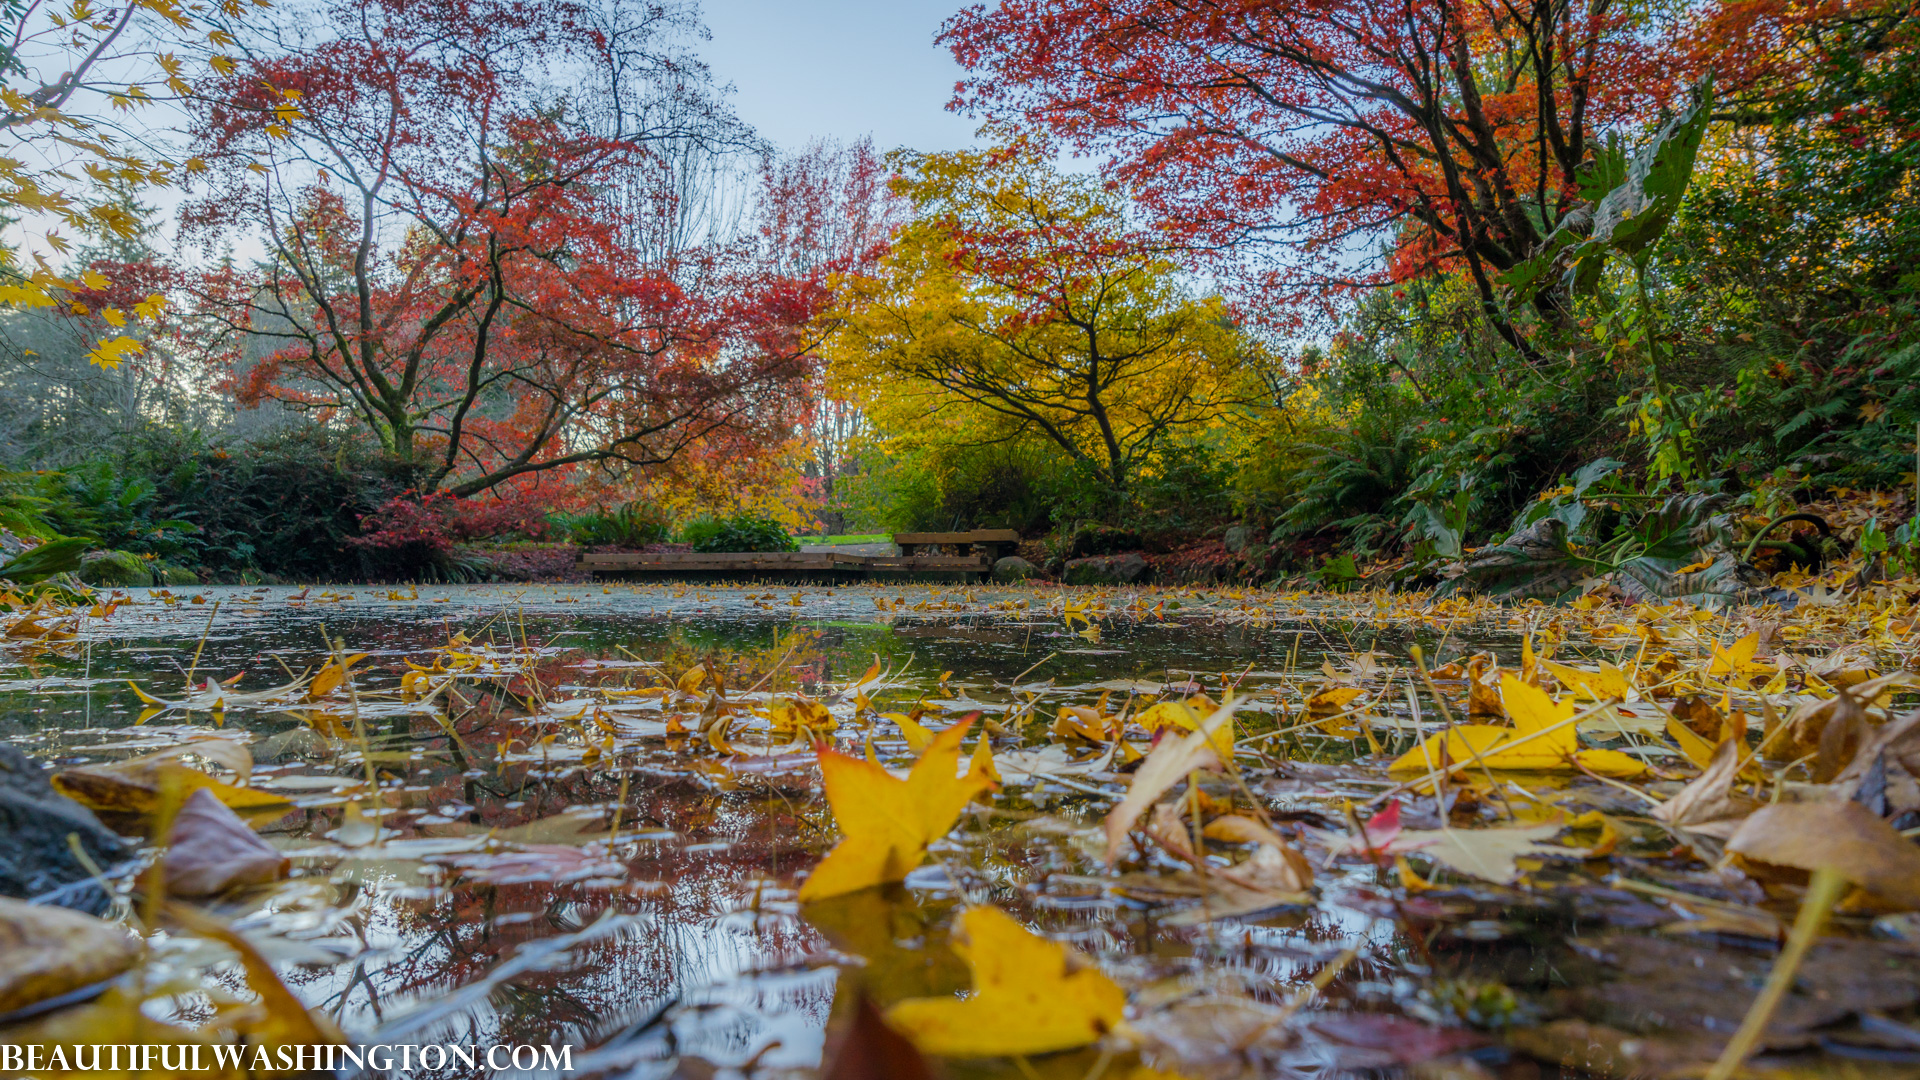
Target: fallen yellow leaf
column 1030, row 996
column 1188, row 716
column 889, row 823
column 1541, row 740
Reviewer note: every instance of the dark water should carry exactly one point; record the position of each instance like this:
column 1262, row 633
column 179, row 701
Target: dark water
column 658, row 931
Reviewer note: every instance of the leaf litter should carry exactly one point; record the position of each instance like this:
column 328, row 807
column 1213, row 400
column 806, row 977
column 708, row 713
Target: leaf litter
column 1250, row 832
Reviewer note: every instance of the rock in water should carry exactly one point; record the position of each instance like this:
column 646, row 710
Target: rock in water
column 114, row 569
column 1013, row 568
column 35, row 859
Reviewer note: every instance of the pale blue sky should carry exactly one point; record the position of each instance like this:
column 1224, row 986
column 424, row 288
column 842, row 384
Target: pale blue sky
column 804, row 69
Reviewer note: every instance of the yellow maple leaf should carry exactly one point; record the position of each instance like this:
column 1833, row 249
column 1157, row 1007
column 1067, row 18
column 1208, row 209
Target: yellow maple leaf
column 1188, row 716
column 1607, row 684
column 1738, row 659
column 1540, row 740
column 805, row 714
column 918, row 735
column 151, row 307
column 1030, row 996
column 109, row 354
column 889, row 822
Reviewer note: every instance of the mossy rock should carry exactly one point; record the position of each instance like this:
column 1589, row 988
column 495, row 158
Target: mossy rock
column 114, row 570
column 174, row 575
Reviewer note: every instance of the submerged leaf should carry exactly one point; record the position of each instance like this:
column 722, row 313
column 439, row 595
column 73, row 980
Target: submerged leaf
column 1030, row 996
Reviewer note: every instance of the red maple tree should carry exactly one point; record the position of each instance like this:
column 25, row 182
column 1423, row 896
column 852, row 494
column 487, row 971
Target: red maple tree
column 1306, row 131
column 448, row 259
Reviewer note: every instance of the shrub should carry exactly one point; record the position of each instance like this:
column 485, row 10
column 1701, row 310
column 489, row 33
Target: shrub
column 745, row 532
column 635, row 524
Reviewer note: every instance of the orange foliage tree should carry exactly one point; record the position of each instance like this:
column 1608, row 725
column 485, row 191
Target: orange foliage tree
column 1305, row 132
column 448, row 261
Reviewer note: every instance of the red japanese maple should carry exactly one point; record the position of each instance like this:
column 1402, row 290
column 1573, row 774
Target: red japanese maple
column 1310, row 131
column 448, row 262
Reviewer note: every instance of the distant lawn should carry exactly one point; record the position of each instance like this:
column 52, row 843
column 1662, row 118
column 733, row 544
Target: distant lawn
column 849, row 538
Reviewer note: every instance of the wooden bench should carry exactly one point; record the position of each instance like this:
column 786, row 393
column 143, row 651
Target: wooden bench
column 992, row 543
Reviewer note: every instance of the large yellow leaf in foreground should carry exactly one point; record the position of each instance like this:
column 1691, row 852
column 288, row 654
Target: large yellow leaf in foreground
column 1540, row 740
column 889, row 823
column 1030, row 996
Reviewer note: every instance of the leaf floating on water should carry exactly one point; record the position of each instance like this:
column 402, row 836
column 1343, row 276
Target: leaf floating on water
column 332, row 676
column 1030, row 996
column 1707, row 804
column 1487, row 854
column 889, row 822
column 1840, row 835
column 134, row 786
column 1189, row 715
column 1542, row 739
column 1167, row 765
column 49, row 953
column 210, row 850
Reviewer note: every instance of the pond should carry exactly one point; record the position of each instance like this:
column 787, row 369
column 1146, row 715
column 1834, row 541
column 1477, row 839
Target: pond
column 523, row 820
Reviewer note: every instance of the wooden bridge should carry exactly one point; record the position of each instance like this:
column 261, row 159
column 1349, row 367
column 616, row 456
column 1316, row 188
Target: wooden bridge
column 948, row 556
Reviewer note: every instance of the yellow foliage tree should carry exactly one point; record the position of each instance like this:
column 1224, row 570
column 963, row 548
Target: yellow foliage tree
column 1020, row 302
column 70, row 73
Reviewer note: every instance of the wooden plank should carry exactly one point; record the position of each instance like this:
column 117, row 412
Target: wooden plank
column 977, row 536
column 930, row 562
column 772, row 560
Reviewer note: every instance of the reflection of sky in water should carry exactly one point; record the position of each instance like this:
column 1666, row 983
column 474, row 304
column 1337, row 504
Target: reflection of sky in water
column 701, row 950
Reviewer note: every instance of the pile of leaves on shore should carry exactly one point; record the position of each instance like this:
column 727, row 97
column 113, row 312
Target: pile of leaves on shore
column 1633, row 839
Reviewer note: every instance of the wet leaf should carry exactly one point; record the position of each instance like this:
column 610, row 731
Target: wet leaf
column 50, row 954
column 134, row 786
column 1487, row 854
column 210, row 850
column 332, row 676
column 1188, row 716
column 1839, row 835
column 1030, row 996
column 1707, row 804
column 1607, row 683
column 1542, row 739
column 1168, row 764
column 888, row 822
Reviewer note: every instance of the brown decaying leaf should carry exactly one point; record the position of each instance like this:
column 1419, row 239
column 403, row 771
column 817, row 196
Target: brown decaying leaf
column 1895, row 747
column 47, row 952
column 1707, row 805
column 210, row 850
column 1167, row 765
column 1842, row 836
column 1834, row 730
